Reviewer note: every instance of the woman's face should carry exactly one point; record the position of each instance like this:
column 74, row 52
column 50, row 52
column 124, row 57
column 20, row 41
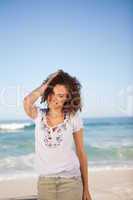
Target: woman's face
column 58, row 97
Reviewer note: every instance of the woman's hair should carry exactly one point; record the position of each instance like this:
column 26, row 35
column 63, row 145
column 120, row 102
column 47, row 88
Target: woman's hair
column 73, row 102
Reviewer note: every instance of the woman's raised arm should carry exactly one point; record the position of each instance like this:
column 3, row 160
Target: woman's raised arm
column 29, row 100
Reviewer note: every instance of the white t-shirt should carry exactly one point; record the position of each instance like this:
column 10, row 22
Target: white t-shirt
column 55, row 153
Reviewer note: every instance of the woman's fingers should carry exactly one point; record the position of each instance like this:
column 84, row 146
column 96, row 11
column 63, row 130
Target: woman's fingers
column 53, row 76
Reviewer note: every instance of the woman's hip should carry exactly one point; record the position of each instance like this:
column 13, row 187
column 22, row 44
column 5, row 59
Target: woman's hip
column 52, row 188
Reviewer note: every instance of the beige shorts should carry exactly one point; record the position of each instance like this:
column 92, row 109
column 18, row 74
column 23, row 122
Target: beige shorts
column 59, row 188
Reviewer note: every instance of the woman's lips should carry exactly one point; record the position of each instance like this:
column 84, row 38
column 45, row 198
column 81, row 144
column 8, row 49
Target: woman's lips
column 55, row 102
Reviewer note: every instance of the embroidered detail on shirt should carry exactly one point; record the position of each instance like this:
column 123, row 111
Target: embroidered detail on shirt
column 53, row 136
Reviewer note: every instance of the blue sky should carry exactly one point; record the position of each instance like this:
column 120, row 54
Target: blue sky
column 88, row 39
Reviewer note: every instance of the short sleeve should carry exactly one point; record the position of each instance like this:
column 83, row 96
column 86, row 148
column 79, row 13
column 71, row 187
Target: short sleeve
column 77, row 122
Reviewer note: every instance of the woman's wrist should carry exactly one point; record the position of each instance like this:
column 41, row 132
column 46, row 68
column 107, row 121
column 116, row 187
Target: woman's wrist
column 85, row 188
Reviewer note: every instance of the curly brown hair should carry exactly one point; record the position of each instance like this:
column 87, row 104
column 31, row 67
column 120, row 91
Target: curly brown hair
column 73, row 102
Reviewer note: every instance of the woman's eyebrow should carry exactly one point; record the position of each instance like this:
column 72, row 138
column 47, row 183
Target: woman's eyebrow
column 61, row 93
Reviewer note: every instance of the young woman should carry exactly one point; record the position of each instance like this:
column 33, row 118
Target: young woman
column 61, row 160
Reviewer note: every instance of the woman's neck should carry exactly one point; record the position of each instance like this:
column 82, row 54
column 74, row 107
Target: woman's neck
column 55, row 112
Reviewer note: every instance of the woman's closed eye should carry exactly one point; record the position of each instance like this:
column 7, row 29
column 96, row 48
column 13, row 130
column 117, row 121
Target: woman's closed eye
column 61, row 95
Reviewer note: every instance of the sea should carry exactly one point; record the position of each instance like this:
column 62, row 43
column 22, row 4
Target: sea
column 108, row 142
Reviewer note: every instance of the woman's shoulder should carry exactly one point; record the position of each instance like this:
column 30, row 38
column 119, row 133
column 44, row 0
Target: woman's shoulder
column 77, row 121
column 75, row 116
column 40, row 111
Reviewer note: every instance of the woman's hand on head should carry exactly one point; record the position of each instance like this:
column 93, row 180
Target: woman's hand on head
column 51, row 77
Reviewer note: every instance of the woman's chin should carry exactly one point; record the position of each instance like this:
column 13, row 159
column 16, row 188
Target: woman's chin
column 56, row 106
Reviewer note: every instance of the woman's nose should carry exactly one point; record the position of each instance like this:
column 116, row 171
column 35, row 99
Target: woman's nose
column 55, row 98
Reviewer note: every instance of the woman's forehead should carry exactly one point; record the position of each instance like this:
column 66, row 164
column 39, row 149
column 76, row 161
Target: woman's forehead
column 60, row 89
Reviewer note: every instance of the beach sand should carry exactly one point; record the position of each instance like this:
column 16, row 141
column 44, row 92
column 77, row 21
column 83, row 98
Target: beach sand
column 111, row 184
